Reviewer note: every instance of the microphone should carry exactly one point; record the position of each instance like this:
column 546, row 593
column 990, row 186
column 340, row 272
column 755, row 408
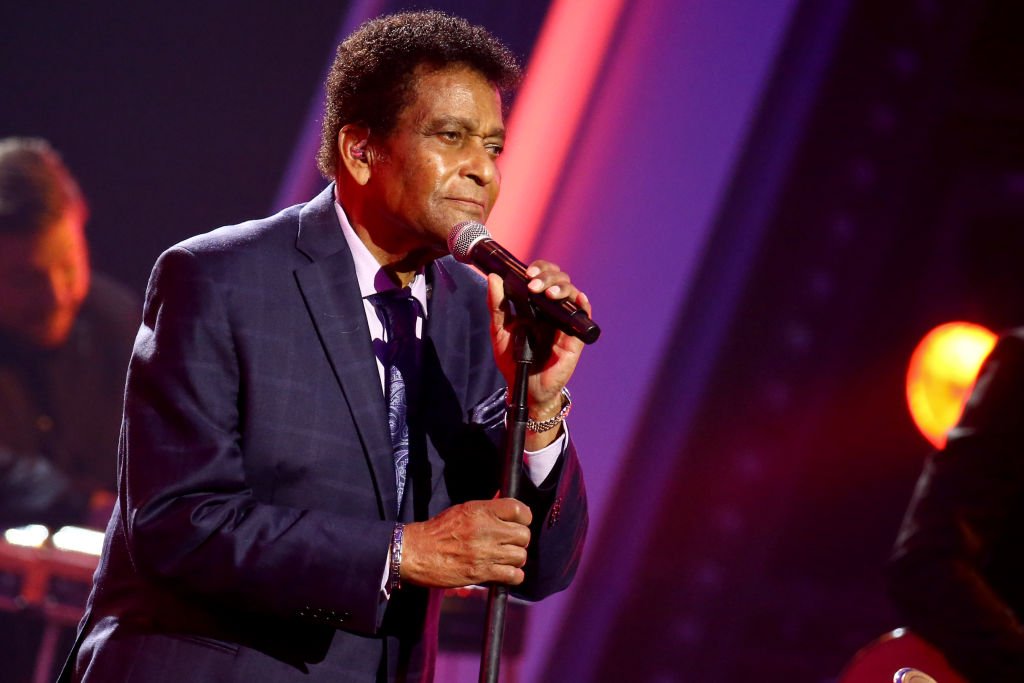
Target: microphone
column 469, row 242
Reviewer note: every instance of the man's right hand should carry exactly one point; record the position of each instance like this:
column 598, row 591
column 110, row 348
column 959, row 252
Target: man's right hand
column 472, row 543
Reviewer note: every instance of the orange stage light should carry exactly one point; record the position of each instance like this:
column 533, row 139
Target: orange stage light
column 942, row 371
column 552, row 102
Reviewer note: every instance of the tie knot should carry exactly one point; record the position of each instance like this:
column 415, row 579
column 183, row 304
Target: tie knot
column 398, row 312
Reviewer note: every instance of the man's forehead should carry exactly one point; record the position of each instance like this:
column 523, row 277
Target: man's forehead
column 454, row 93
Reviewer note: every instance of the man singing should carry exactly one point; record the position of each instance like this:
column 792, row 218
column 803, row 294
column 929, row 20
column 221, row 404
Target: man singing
column 314, row 413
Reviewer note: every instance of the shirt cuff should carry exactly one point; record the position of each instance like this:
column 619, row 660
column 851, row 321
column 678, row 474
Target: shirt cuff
column 384, row 579
column 539, row 464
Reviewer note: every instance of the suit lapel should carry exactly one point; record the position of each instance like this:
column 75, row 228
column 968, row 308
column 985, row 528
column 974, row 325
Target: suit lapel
column 447, row 324
column 446, row 370
column 331, row 293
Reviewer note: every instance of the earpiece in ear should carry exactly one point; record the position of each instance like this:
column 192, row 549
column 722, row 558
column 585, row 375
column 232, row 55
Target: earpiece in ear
column 359, row 150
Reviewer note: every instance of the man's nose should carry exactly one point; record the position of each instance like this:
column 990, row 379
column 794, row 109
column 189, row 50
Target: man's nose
column 480, row 166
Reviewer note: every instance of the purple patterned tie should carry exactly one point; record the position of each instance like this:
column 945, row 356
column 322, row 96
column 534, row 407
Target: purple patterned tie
column 398, row 313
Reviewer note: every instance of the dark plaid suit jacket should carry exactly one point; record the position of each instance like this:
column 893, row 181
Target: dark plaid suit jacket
column 256, row 481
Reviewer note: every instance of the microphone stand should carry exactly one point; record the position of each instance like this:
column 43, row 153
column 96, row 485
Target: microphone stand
column 515, row 440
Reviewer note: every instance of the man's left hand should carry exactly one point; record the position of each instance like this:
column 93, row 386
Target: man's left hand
column 557, row 352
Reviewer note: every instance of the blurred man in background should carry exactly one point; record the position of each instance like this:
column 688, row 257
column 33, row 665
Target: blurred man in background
column 65, row 340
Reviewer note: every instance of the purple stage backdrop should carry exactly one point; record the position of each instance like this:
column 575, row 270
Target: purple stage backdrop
column 630, row 220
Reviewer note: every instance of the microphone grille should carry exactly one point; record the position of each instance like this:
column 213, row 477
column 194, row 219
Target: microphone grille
column 462, row 238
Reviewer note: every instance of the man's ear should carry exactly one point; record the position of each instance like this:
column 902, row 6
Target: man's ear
column 354, row 153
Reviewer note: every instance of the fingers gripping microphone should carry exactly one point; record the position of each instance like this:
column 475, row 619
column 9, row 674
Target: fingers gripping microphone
column 469, row 242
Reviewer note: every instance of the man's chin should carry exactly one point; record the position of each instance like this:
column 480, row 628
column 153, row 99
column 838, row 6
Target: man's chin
column 421, row 257
column 453, row 219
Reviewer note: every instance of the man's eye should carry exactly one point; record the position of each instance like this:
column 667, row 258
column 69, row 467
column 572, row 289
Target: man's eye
column 495, row 150
column 449, row 135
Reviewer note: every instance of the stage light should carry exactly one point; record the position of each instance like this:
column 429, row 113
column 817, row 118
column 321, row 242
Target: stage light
column 564, row 71
column 80, row 540
column 31, row 536
column 942, row 371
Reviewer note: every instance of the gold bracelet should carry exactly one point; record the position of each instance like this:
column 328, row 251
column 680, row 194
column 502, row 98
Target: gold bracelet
column 537, row 427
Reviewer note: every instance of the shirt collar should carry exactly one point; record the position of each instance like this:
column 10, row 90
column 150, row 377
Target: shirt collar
column 370, row 276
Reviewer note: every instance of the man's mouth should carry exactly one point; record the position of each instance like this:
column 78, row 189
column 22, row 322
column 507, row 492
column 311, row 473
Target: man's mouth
column 468, row 202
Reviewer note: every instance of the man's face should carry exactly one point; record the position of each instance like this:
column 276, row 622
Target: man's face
column 437, row 167
column 43, row 279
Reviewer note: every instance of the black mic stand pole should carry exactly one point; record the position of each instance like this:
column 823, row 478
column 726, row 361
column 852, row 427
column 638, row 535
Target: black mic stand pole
column 515, row 440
